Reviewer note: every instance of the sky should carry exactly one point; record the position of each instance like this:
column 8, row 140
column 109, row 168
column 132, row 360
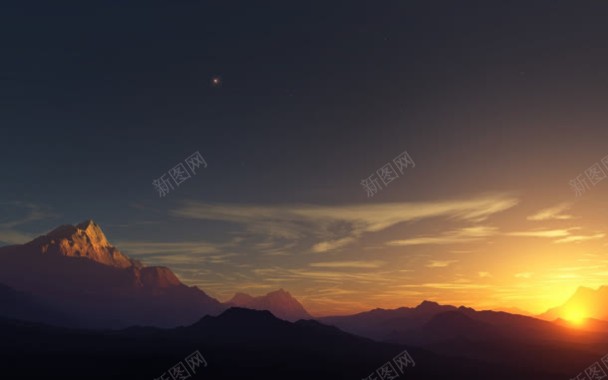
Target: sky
column 498, row 104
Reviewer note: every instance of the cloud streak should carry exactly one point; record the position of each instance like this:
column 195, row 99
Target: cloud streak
column 348, row 264
column 334, row 227
column 564, row 235
column 463, row 235
column 552, row 213
column 440, row 263
column 33, row 213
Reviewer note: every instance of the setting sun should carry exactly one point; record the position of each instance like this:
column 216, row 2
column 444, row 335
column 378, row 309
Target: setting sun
column 576, row 316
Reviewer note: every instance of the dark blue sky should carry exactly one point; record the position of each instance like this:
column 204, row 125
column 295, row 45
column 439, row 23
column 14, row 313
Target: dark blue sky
column 98, row 99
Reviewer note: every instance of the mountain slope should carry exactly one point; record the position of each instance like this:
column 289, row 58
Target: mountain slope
column 381, row 324
column 85, row 240
column 280, row 303
column 79, row 271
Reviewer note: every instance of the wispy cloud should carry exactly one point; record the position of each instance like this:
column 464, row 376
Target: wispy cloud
column 462, row 235
column 31, row 211
column 561, row 235
column 555, row 212
column 448, row 286
column 575, row 238
column 334, row 227
column 150, row 248
column 15, row 237
column 273, row 247
column 330, row 276
column 440, row 263
column 331, row 245
column 542, row 233
column 28, row 212
column 348, row 264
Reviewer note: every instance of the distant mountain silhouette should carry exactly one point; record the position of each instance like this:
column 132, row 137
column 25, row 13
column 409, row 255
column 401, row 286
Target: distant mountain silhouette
column 513, row 310
column 592, row 303
column 280, row 303
column 478, row 335
column 382, row 324
column 430, row 322
column 76, row 269
column 480, row 326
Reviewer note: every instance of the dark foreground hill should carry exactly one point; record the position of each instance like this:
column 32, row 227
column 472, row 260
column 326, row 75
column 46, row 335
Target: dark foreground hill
column 238, row 344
